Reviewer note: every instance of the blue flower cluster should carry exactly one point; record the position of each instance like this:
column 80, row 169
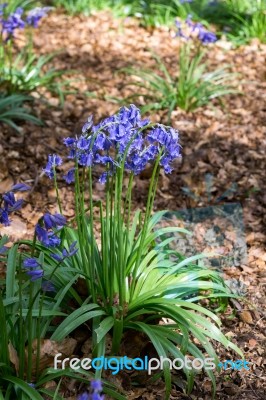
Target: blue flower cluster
column 66, row 253
column 96, row 389
column 34, row 16
column 53, row 162
column 124, row 135
column 45, row 233
column 17, row 20
column 195, row 30
column 33, row 268
column 9, row 204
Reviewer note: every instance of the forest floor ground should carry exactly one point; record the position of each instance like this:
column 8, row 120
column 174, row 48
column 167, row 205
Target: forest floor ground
column 225, row 140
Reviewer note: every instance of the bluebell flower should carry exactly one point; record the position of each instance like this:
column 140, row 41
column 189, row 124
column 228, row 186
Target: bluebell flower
column 53, row 240
column 186, row 1
column 70, row 176
column 41, row 233
column 86, row 127
column 31, row 263
column 35, row 274
column 84, row 396
column 103, row 178
column 207, row 37
column 36, row 14
column 53, row 161
column 96, row 385
column 69, row 141
column 54, row 221
column 10, row 203
column 167, row 140
column 48, row 286
column 4, row 218
column 86, row 160
column 104, row 160
column 13, row 22
column 101, row 142
column 2, row 7
column 195, row 29
column 96, row 396
column 84, row 143
column 33, row 268
column 66, row 253
column 3, row 249
column 9, row 199
column 20, row 187
column 48, row 239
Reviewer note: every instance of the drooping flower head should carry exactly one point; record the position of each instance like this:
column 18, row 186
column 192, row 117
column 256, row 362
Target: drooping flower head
column 33, row 268
column 20, row 187
column 190, row 30
column 14, row 21
column 53, row 221
column 3, row 249
column 48, row 286
column 66, row 253
column 53, row 161
column 9, row 204
column 34, row 16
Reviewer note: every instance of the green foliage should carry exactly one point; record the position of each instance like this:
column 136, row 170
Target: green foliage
column 83, row 6
column 240, row 19
column 250, row 26
column 30, row 72
column 12, row 109
column 12, row 5
column 150, row 13
column 26, row 315
column 191, row 88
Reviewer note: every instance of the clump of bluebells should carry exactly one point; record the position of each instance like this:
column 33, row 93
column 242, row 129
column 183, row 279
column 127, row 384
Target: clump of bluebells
column 124, row 139
column 131, row 280
column 190, row 30
column 19, row 19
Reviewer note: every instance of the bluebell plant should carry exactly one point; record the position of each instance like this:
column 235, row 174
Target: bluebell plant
column 131, row 276
column 128, row 276
column 22, row 72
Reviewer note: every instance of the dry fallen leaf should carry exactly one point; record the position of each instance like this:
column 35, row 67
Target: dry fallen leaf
column 246, row 317
column 13, row 356
column 48, row 350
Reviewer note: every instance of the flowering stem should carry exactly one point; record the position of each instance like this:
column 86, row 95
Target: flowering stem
column 57, row 191
column 29, row 317
column 21, row 327
column 91, row 260
column 151, row 195
column 112, row 244
column 128, row 207
column 81, row 227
